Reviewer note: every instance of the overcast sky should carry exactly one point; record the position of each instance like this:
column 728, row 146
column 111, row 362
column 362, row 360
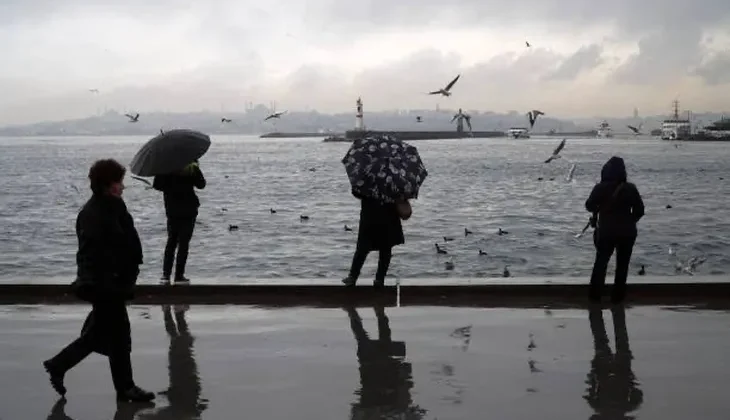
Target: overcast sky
column 588, row 57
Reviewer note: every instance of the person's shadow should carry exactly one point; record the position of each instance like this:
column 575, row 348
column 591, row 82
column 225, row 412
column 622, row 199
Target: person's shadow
column 385, row 376
column 184, row 391
column 613, row 390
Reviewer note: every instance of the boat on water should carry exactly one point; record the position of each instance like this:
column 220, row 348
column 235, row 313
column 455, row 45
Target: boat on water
column 604, row 130
column 718, row 131
column 518, row 133
column 675, row 127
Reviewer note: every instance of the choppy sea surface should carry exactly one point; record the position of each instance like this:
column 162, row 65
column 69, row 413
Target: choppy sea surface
column 479, row 184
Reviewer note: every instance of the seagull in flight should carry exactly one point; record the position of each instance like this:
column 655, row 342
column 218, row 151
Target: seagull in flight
column 226, row 120
column 149, row 184
column 556, row 152
column 528, row 44
column 636, row 130
column 447, row 90
column 419, row 119
column 532, row 115
column 94, row 90
column 275, row 115
column 132, row 118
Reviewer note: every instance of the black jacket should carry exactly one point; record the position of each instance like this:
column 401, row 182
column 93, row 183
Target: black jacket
column 380, row 225
column 109, row 253
column 619, row 211
column 179, row 192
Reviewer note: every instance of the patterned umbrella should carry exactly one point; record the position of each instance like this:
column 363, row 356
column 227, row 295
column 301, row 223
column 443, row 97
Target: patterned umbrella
column 384, row 168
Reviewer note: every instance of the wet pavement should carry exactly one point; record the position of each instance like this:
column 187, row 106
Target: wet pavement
column 225, row 362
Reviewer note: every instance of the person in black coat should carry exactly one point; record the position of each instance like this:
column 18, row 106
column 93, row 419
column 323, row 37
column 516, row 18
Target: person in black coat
column 181, row 208
column 108, row 262
column 380, row 229
column 616, row 206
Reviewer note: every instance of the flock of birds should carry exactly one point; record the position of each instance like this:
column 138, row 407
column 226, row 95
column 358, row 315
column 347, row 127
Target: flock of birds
column 134, row 118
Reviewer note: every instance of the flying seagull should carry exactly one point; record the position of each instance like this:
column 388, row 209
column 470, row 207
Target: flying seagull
column 528, row 44
column 132, row 118
column 226, row 120
column 419, row 119
column 636, row 130
column 94, row 90
column 275, row 115
column 447, row 90
column 532, row 115
column 556, row 152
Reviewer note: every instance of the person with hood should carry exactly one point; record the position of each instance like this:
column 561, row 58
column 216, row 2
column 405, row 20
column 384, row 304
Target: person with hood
column 181, row 208
column 108, row 262
column 380, row 230
column 616, row 206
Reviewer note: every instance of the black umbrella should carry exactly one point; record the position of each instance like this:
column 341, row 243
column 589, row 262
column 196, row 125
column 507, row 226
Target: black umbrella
column 169, row 152
column 384, row 168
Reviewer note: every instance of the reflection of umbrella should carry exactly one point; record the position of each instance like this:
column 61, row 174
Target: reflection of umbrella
column 384, row 169
column 169, row 152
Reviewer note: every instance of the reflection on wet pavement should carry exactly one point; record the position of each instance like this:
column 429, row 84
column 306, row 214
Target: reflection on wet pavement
column 222, row 362
column 613, row 390
column 385, row 377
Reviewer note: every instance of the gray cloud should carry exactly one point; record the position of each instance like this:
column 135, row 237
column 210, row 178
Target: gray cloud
column 663, row 56
column 586, row 58
column 716, row 70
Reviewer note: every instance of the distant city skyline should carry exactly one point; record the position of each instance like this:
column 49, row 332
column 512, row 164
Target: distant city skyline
column 586, row 58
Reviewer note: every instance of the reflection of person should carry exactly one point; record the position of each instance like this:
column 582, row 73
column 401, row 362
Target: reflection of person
column 181, row 208
column 385, row 378
column 380, row 230
column 184, row 390
column 108, row 262
column 124, row 411
column 619, row 207
column 612, row 386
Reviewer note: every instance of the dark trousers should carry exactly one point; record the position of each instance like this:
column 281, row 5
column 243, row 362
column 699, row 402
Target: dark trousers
column 605, row 246
column 383, row 263
column 108, row 334
column 179, row 233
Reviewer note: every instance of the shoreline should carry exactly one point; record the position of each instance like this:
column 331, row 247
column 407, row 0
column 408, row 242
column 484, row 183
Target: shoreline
column 335, row 294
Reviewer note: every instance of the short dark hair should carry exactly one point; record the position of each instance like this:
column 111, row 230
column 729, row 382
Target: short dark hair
column 104, row 173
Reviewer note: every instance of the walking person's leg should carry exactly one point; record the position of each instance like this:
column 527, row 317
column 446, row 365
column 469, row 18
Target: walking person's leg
column 66, row 359
column 120, row 349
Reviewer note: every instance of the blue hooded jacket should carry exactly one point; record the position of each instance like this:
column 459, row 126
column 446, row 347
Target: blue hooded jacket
column 616, row 201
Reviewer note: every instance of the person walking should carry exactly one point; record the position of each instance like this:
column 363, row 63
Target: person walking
column 181, row 209
column 616, row 206
column 108, row 260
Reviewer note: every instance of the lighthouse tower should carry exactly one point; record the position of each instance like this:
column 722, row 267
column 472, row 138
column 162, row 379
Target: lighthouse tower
column 359, row 123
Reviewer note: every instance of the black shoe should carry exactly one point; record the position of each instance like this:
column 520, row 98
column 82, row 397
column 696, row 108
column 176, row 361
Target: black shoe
column 135, row 394
column 165, row 279
column 56, row 378
column 349, row 281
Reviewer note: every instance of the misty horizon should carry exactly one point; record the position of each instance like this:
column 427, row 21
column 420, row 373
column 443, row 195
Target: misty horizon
column 586, row 58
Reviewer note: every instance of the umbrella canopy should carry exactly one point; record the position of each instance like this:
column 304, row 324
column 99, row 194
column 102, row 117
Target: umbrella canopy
column 169, row 152
column 384, row 168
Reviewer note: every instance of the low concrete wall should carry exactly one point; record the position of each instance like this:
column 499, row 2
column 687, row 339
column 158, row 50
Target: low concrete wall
column 495, row 295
